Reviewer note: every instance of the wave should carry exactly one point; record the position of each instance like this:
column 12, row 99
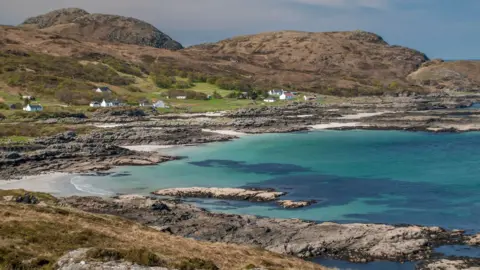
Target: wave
column 81, row 185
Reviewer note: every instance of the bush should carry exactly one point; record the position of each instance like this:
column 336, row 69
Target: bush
column 4, row 106
column 216, row 95
column 196, row 263
column 163, row 81
column 188, row 93
column 141, row 256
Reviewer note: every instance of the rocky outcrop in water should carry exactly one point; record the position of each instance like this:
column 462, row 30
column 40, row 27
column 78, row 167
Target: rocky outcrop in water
column 295, row 204
column 450, row 264
column 353, row 242
column 241, row 194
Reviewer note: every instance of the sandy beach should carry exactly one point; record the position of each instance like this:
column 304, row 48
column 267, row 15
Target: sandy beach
column 226, row 132
column 336, row 125
column 149, row 148
column 362, row 115
column 55, row 183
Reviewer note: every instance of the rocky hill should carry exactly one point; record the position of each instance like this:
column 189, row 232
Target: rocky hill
column 336, row 63
column 438, row 75
column 78, row 23
column 340, row 60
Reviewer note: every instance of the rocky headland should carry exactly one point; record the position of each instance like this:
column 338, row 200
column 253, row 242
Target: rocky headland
column 352, row 242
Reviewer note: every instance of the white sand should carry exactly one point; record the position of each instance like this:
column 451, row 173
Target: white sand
column 336, row 125
column 226, row 132
column 108, row 125
column 55, row 183
column 362, row 115
column 149, row 148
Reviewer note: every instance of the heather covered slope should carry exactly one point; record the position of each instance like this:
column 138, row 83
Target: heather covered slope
column 35, row 233
column 320, row 61
column 78, row 23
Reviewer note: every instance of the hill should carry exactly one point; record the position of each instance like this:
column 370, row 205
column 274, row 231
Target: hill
column 317, row 61
column 50, row 55
column 79, row 24
column 438, row 75
column 35, row 232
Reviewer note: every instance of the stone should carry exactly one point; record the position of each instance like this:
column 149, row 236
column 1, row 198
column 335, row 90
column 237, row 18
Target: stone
column 222, row 193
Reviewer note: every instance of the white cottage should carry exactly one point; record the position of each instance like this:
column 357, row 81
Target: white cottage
column 287, row 96
column 33, row 108
column 159, row 104
column 109, row 103
column 269, row 100
column 103, row 89
column 181, row 97
column 276, row 92
column 94, row 104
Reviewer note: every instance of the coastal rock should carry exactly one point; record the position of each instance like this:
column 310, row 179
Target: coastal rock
column 353, row 242
column 78, row 260
column 450, row 264
column 295, row 204
column 474, row 240
column 253, row 195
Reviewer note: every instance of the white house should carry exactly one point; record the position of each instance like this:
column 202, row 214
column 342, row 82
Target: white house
column 181, row 97
column 109, row 103
column 28, row 97
column 307, row 98
column 103, row 89
column 269, row 100
column 33, row 108
column 276, row 92
column 287, row 96
column 95, row 104
column 159, row 104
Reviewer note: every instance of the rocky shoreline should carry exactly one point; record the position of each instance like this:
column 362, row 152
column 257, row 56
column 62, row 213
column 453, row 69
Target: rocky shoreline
column 102, row 149
column 351, row 242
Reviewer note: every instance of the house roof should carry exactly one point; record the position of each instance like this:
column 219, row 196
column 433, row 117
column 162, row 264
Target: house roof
column 104, row 88
column 35, row 105
column 288, row 94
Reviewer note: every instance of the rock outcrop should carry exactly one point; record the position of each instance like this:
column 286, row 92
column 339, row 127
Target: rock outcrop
column 241, row 194
column 295, row 204
column 78, row 23
column 353, row 242
column 450, row 264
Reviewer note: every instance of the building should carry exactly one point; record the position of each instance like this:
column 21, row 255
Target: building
column 95, row 104
column 307, row 98
column 143, row 103
column 33, row 108
column 159, row 104
column 103, row 89
column 109, row 103
column 276, row 92
column 28, row 97
column 269, row 100
column 181, row 97
column 287, row 96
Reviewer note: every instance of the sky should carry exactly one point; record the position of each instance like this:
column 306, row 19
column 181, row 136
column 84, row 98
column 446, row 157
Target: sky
column 448, row 29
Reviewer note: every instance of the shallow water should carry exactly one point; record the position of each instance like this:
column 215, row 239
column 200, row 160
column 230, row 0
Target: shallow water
column 357, row 176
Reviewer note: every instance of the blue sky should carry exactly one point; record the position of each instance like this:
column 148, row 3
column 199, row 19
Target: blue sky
column 448, row 29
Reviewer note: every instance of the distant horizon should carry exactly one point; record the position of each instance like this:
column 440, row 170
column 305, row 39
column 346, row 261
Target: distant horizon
column 439, row 28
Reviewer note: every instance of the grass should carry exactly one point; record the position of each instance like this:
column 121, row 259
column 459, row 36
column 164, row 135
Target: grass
column 14, row 139
column 24, row 131
column 35, row 236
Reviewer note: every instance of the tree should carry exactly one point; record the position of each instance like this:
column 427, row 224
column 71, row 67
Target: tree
column 163, row 81
column 254, row 95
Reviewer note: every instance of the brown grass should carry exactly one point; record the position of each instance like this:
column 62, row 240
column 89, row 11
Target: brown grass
column 34, row 237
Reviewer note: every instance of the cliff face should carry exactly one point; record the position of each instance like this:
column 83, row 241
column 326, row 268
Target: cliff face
column 80, row 24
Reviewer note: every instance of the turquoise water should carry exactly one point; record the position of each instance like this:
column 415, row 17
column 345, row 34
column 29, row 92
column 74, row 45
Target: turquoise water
column 357, row 176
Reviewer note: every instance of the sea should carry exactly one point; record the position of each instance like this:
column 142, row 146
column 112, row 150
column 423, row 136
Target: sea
column 391, row 177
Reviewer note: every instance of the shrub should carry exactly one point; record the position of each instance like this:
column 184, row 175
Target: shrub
column 141, row 256
column 163, row 81
column 196, row 263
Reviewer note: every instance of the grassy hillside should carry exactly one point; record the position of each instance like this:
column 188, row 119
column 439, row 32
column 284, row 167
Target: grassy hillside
column 35, row 236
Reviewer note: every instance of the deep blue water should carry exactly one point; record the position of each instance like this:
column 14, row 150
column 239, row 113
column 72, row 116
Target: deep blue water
column 357, row 176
